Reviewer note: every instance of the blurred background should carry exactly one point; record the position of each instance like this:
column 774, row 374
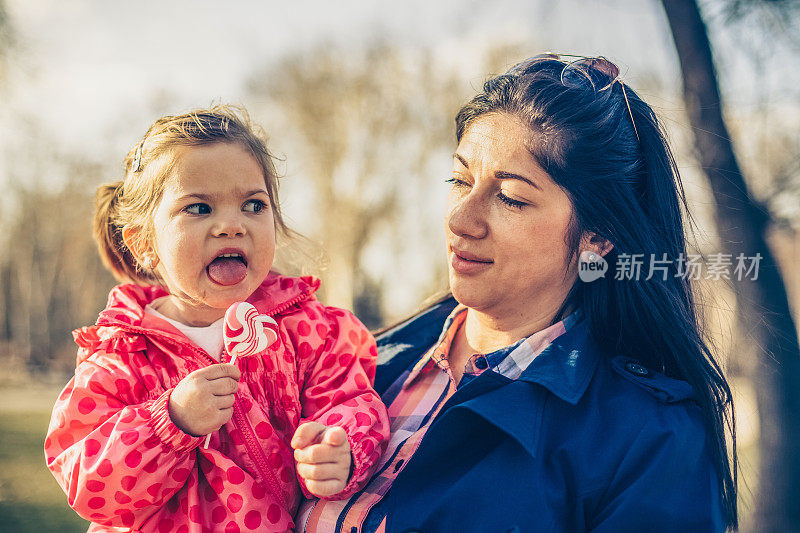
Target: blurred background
column 358, row 99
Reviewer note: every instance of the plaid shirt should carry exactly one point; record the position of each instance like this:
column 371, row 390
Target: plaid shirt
column 414, row 400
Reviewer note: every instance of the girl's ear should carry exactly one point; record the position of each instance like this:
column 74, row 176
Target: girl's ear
column 592, row 242
column 140, row 248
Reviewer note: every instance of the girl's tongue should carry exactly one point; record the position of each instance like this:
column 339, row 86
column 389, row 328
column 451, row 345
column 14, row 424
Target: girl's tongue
column 227, row 270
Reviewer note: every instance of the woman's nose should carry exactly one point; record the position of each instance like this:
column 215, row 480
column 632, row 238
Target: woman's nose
column 466, row 216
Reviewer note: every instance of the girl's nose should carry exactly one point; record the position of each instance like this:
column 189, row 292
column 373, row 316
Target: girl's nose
column 229, row 226
column 466, row 216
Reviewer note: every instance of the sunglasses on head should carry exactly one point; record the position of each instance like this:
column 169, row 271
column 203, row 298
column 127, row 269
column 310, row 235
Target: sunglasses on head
column 577, row 70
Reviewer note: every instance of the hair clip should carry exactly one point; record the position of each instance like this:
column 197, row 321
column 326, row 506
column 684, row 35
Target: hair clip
column 136, row 165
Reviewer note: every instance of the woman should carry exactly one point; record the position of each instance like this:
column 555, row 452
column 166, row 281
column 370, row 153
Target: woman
column 539, row 398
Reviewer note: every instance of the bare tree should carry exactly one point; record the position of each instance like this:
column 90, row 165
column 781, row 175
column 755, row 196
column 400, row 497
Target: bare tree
column 369, row 123
column 51, row 279
column 762, row 305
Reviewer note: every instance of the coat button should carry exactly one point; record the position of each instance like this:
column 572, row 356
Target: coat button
column 637, row 369
column 481, row 363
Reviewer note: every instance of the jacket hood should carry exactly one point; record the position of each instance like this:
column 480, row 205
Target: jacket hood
column 119, row 325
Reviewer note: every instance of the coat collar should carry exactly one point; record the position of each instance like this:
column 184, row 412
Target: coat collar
column 126, row 303
column 124, row 317
column 565, row 369
column 567, row 365
column 401, row 346
column 514, row 407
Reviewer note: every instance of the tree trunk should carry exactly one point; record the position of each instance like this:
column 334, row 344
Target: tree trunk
column 762, row 304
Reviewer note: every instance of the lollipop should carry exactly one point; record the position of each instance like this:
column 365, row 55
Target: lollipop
column 247, row 333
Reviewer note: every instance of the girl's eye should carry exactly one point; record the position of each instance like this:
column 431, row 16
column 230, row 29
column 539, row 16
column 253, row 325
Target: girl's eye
column 197, row 209
column 254, row 206
column 510, row 201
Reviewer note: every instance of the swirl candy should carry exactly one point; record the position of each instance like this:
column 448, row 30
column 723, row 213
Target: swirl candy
column 247, row 333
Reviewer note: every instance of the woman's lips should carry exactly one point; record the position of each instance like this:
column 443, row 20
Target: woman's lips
column 467, row 263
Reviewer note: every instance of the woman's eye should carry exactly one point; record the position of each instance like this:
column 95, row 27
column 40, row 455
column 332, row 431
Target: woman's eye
column 254, row 206
column 455, row 182
column 510, row 201
column 197, row 209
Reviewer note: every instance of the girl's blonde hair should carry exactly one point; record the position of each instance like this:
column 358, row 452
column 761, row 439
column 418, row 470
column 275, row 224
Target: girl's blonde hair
column 131, row 202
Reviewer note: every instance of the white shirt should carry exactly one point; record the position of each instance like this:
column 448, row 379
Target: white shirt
column 209, row 338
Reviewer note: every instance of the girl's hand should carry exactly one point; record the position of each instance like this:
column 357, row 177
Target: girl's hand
column 323, row 458
column 203, row 401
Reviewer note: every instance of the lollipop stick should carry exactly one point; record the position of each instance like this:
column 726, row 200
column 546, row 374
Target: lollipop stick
column 231, row 362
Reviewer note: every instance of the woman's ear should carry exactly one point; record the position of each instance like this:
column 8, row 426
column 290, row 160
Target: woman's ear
column 592, row 242
column 140, row 248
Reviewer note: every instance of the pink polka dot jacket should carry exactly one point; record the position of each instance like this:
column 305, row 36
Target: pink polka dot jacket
column 122, row 462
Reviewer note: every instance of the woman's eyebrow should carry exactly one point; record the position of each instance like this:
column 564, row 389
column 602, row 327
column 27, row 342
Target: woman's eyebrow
column 502, row 175
column 462, row 160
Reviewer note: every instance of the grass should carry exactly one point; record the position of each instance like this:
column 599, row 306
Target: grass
column 30, row 498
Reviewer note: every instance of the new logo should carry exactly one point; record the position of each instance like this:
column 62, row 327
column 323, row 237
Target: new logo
column 591, row 266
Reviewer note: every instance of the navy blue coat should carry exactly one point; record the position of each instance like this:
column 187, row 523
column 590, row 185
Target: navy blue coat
column 579, row 442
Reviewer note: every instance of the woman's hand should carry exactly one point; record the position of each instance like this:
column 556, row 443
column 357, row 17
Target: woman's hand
column 203, row 401
column 323, row 458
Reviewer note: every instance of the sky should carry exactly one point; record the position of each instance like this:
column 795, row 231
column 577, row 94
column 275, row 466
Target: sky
column 83, row 68
column 84, row 65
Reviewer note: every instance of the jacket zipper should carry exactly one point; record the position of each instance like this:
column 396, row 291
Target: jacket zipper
column 251, row 444
column 257, row 453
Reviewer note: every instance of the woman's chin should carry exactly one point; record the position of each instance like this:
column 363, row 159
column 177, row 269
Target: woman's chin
column 473, row 295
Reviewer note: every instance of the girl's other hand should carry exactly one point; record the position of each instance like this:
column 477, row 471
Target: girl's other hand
column 203, row 401
column 323, row 458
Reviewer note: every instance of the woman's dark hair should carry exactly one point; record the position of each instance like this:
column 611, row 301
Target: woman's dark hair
column 604, row 146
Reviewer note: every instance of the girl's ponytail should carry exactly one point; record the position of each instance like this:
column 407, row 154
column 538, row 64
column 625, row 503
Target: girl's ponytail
column 108, row 234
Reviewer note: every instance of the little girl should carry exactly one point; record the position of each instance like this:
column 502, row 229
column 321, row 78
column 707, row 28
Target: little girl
column 192, row 226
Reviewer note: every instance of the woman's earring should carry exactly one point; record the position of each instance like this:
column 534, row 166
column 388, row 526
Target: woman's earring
column 149, row 262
